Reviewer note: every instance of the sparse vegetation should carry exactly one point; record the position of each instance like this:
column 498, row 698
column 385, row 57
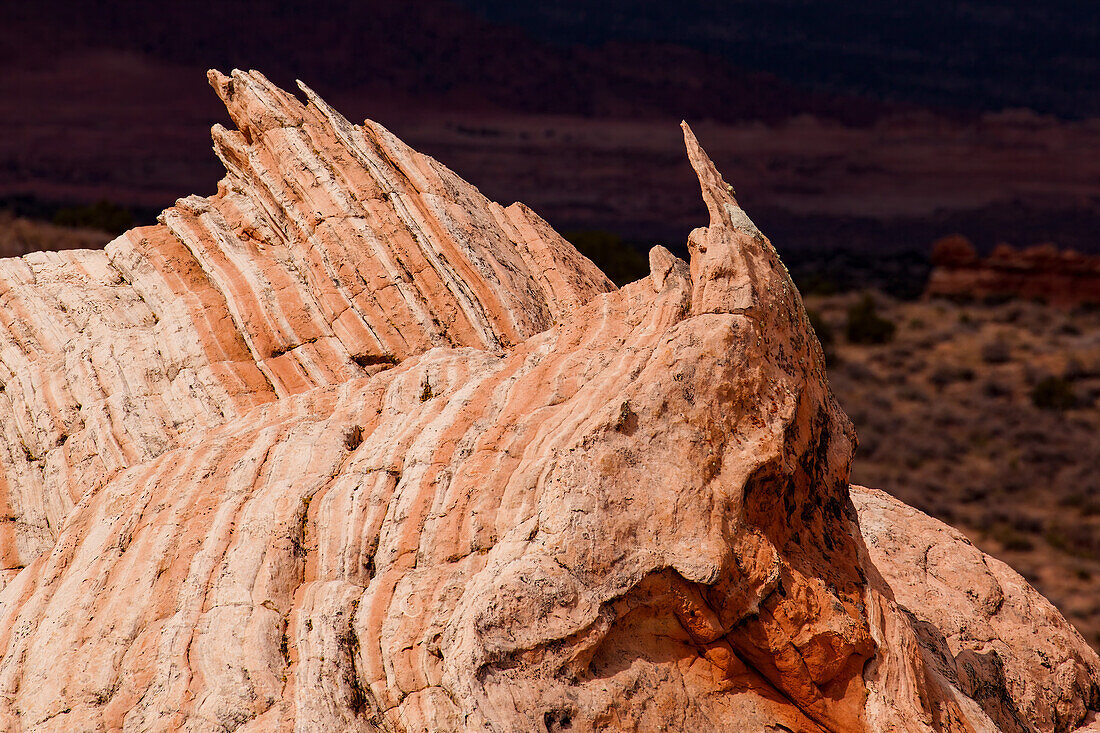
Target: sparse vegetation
column 19, row 236
column 1011, row 539
column 102, row 215
column 866, row 326
column 1053, row 393
column 996, row 351
column 988, row 423
column 619, row 260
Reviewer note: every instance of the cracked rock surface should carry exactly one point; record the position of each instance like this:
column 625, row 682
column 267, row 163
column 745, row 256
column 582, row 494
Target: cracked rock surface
column 347, row 446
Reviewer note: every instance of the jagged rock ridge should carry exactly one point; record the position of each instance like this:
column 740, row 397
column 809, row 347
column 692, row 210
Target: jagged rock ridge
column 347, row 446
column 330, row 251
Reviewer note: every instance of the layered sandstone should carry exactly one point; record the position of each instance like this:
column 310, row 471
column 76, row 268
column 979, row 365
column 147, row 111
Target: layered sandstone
column 1042, row 272
column 347, row 446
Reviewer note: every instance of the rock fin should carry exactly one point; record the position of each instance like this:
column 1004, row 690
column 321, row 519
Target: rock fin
column 717, row 194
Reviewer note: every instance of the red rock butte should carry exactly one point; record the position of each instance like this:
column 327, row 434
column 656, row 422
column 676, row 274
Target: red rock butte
column 1060, row 277
column 348, row 447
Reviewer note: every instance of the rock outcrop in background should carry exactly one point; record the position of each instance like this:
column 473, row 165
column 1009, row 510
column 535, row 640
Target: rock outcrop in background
column 347, row 446
column 1043, row 272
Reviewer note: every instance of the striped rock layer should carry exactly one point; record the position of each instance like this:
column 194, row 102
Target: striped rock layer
column 346, row 446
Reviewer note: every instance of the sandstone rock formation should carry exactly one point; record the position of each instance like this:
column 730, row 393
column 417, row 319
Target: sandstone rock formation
column 347, row 446
column 1060, row 277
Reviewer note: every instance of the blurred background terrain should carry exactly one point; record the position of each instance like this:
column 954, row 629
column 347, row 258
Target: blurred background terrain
column 982, row 413
column 857, row 133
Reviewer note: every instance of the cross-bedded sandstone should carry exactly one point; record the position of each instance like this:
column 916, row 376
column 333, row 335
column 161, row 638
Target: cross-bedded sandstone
column 347, row 446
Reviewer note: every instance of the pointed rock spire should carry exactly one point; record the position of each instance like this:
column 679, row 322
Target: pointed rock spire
column 733, row 265
column 716, row 192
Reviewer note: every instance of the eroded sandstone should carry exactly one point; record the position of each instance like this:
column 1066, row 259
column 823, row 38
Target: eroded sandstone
column 347, row 446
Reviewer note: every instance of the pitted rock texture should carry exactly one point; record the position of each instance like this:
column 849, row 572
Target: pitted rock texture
column 348, row 447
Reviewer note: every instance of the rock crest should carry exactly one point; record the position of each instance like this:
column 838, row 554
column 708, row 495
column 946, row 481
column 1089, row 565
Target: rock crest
column 347, row 446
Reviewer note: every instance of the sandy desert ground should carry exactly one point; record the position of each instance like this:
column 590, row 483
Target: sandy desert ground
column 986, row 416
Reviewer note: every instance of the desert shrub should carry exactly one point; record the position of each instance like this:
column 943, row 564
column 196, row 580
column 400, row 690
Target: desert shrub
column 972, row 494
column 1053, row 393
column 1049, row 455
column 948, row 414
column 900, row 359
column 992, row 300
column 911, row 393
column 996, row 389
column 1015, row 480
column 1076, row 370
column 1086, row 506
column 859, row 372
column 1012, row 540
column 880, row 402
column 866, row 326
column 996, row 352
column 927, row 342
column 868, row 446
column 815, row 283
column 945, row 512
column 1026, row 524
column 1076, row 540
column 1012, row 529
column 944, row 375
column 619, row 260
column 1033, row 374
column 979, row 439
column 103, row 215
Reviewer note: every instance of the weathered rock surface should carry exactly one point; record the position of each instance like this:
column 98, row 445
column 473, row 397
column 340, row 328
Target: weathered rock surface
column 981, row 626
column 347, row 446
column 329, row 252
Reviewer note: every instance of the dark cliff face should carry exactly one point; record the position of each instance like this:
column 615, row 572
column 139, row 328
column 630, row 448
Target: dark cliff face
column 975, row 56
column 436, row 50
column 969, row 56
column 822, row 107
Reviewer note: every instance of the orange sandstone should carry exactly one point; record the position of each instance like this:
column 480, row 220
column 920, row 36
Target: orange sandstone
column 347, row 446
